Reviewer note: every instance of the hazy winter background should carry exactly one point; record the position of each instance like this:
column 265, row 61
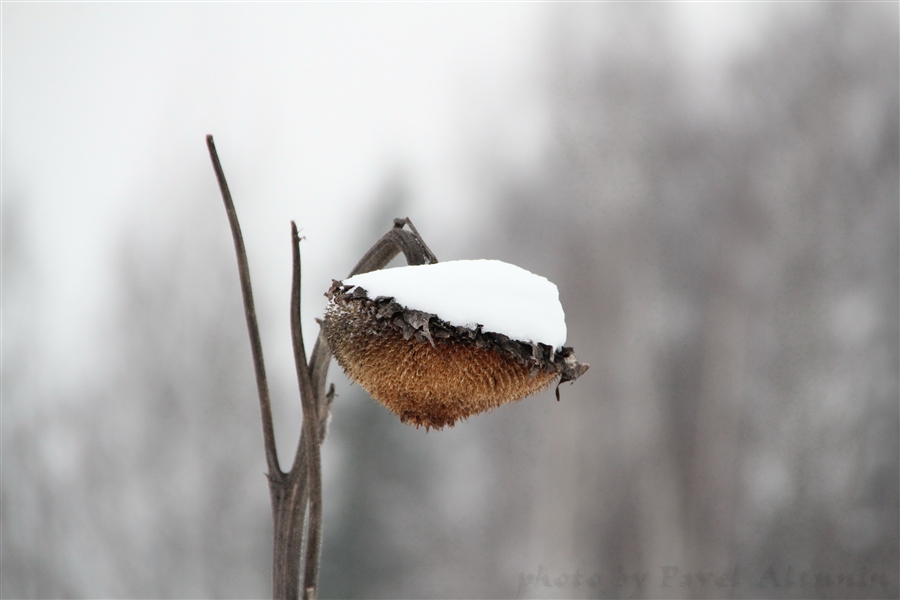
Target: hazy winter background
column 714, row 189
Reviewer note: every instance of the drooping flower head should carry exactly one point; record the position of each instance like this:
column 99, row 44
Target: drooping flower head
column 436, row 343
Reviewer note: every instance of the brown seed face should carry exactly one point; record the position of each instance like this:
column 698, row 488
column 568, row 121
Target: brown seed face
column 431, row 383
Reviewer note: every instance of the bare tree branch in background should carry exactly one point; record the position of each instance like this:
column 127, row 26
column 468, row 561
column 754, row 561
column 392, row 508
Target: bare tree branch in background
column 300, row 490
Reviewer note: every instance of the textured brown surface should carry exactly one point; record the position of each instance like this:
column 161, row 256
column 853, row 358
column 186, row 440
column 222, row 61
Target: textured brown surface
column 430, row 373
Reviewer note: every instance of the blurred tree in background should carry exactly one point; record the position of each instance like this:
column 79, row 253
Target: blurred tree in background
column 732, row 276
column 147, row 480
column 729, row 267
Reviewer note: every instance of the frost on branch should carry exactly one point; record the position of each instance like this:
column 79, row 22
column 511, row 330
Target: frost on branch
column 435, row 343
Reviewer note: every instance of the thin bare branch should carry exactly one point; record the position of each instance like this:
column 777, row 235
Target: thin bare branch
column 399, row 223
column 318, row 367
column 262, row 386
column 287, row 535
column 310, row 436
column 392, row 243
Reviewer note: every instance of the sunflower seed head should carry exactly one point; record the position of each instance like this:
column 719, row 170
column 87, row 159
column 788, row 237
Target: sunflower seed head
column 428, row 371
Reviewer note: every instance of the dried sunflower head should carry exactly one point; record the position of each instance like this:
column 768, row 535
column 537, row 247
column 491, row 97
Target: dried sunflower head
column 428, row 370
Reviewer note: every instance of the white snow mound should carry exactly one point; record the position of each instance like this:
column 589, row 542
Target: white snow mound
column 501, row 297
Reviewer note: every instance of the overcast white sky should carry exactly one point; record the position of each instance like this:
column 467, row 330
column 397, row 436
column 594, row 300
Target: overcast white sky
column 105, row 107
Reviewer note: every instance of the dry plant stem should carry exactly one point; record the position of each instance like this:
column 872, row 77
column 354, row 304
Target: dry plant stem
column 300, row 490
column 396, row 240
column 259, row 367
column 310, row 436
column 382, row 252
column 286, row 564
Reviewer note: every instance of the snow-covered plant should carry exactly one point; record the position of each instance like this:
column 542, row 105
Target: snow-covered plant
column 434, row 342
column 440, row 342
